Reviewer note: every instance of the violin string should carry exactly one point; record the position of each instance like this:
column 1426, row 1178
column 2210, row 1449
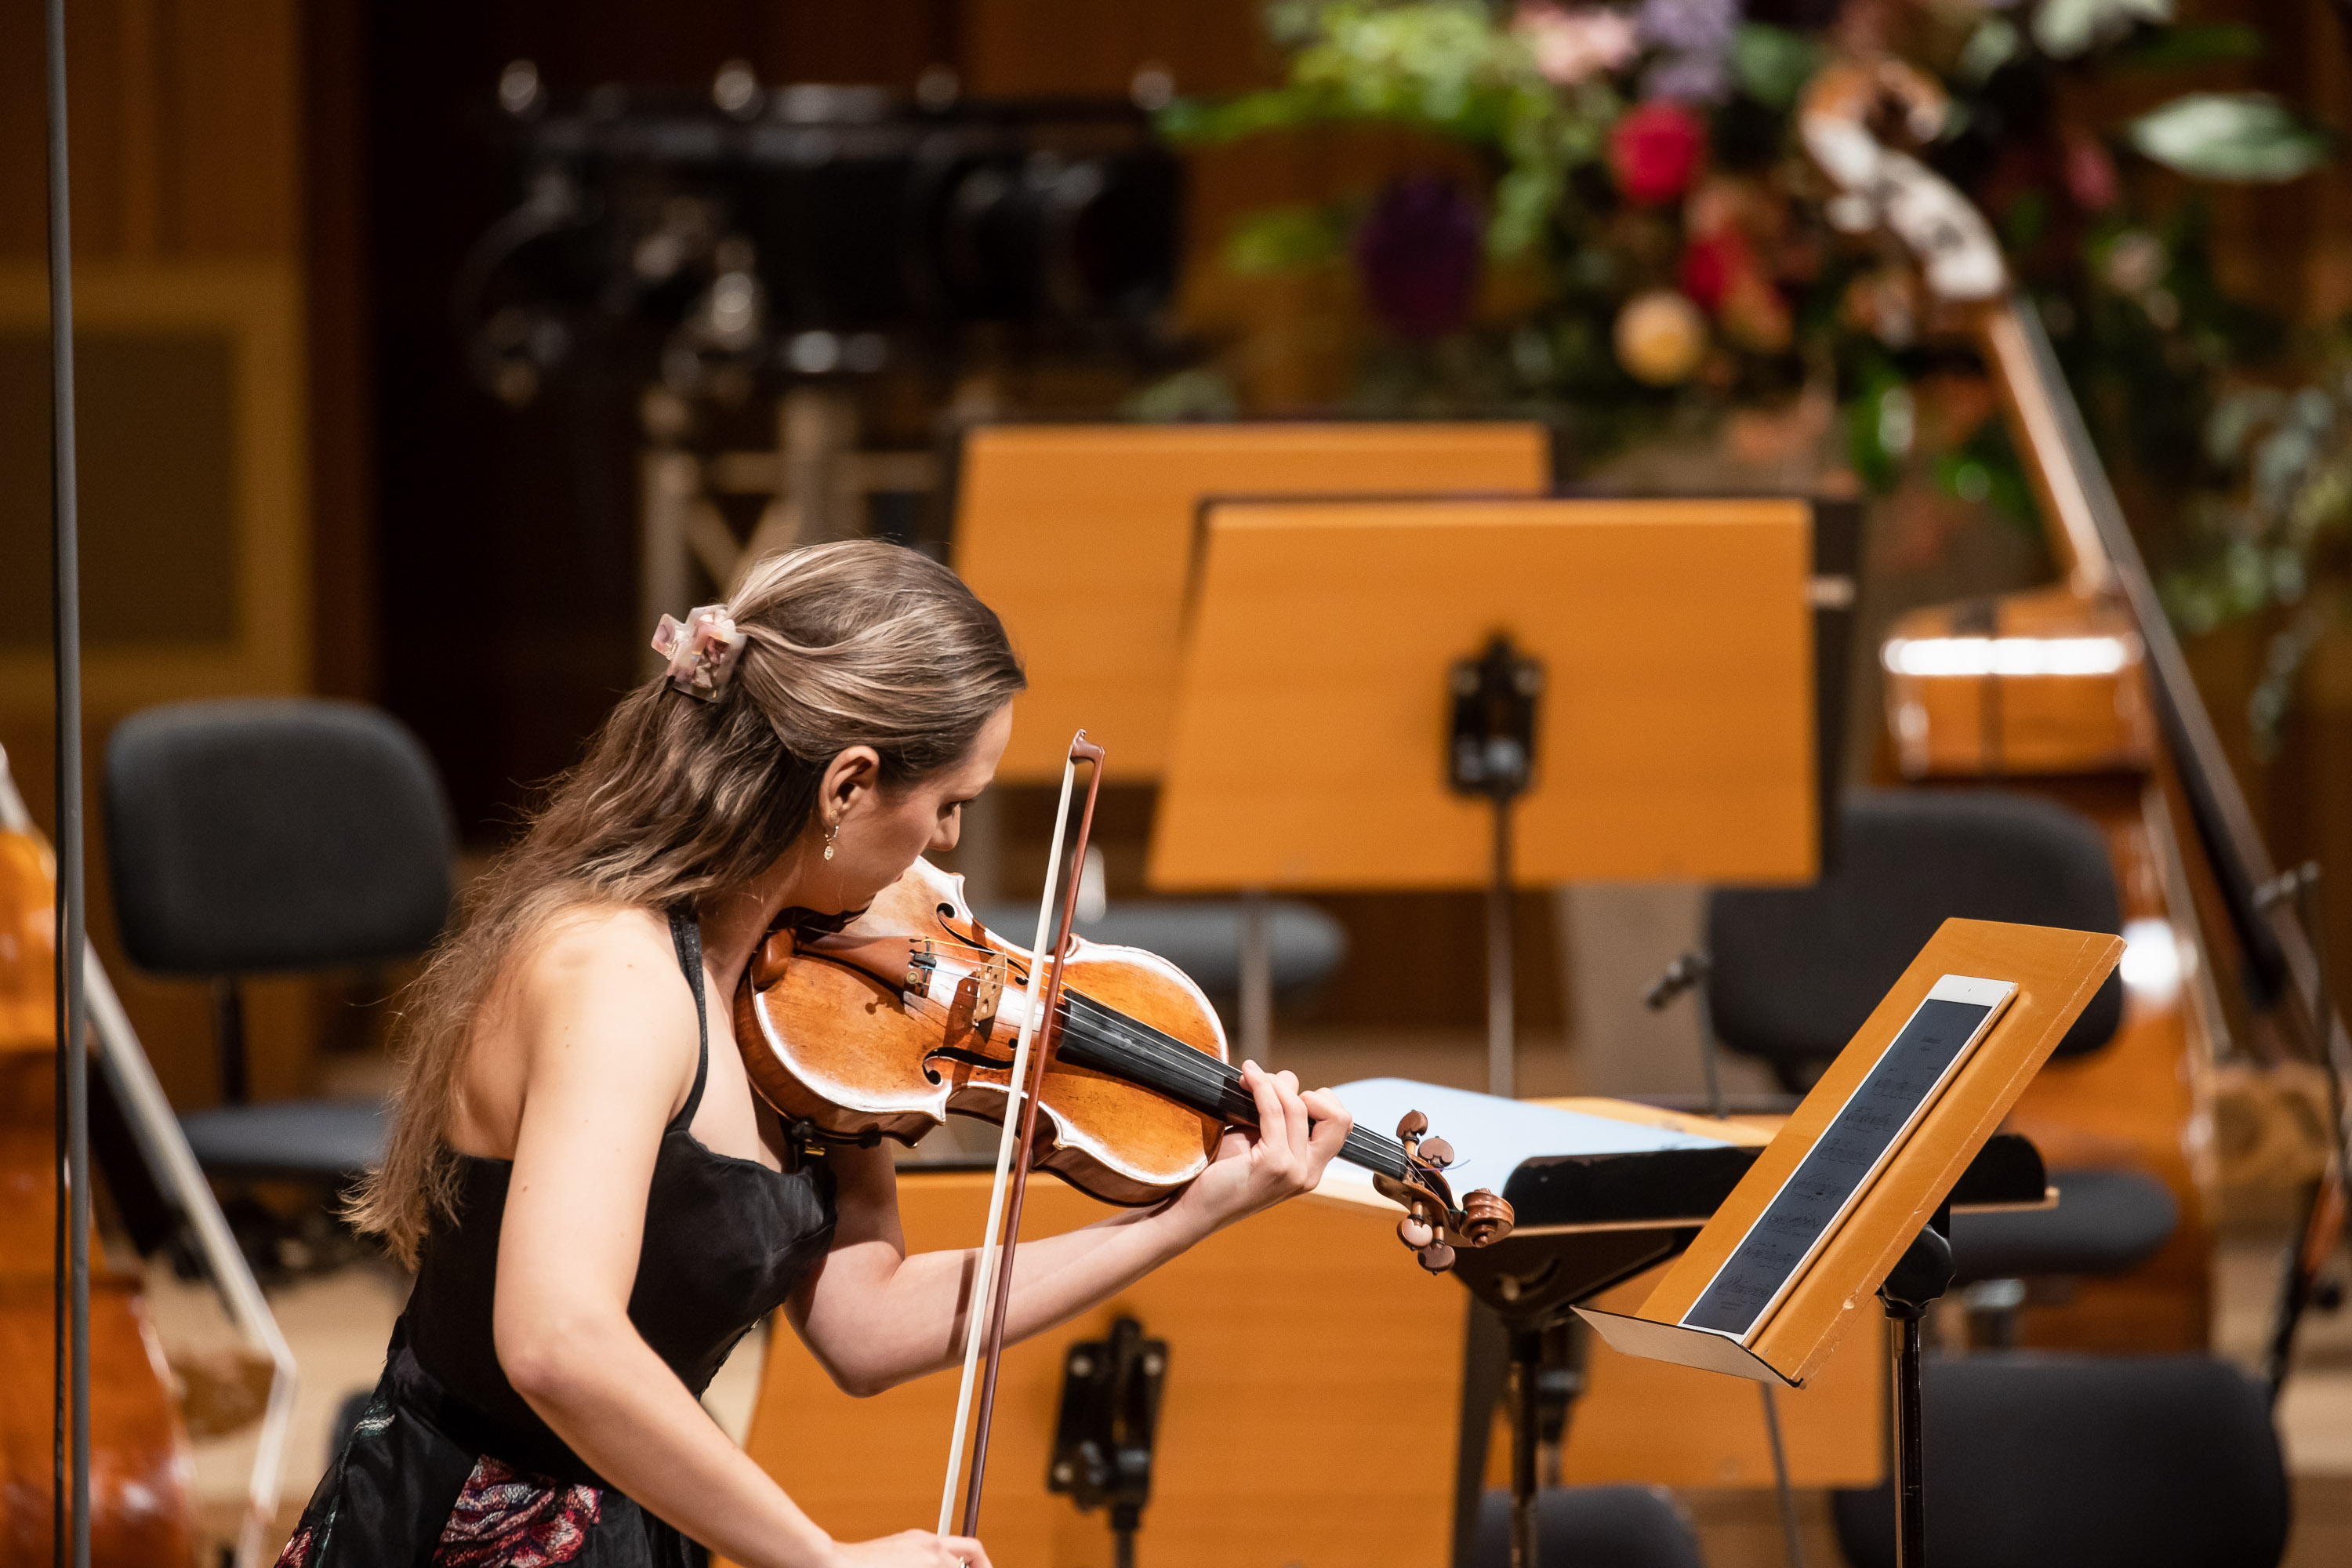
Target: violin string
column 1143, row 1042
column 1183, row 1070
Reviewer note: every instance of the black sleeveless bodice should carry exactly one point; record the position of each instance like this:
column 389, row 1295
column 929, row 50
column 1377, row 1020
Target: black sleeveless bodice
column 726, row 1240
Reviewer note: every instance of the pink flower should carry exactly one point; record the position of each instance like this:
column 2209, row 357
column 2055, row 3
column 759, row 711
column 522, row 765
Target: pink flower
column 1655, row 151
column 1571, row 46
column 2090, row 173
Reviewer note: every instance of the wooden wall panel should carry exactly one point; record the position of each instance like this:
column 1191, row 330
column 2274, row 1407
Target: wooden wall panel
column 187, row 147
column 1042, row 46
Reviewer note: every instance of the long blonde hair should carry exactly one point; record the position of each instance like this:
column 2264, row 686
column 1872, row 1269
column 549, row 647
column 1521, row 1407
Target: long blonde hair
column 850, row 644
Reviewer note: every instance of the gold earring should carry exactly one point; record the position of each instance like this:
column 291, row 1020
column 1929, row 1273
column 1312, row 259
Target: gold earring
column 829, row 834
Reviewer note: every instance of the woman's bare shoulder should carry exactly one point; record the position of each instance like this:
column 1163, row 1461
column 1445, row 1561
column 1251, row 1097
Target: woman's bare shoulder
column 598, row 957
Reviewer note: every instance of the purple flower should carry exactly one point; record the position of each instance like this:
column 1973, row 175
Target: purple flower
column 1418, row 255
column 1688, row 79
column 1690, row 27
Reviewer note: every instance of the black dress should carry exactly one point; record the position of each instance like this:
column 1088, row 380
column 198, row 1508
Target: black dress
column 450, row 1466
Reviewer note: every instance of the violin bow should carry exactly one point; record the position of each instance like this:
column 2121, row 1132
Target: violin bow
column 983, row 1349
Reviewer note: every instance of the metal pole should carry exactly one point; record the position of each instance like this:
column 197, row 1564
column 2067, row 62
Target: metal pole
column 1705, row 1008
column 1257, row 977
column 1790, row 1542
column 1501, row 1055
column 1527, row 1368
column 70, row 1522
column 1910, row 1448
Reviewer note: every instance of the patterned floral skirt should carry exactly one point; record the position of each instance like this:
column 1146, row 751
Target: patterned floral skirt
column 406, row 1490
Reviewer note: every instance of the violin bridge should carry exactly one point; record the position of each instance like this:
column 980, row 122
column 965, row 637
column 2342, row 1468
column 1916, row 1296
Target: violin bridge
column 988, row 990
column 976, row 999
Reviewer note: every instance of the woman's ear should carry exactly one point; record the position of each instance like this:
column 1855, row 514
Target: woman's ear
column 858, row 768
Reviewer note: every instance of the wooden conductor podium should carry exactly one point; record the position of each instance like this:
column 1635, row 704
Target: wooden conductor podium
column 1081, row 536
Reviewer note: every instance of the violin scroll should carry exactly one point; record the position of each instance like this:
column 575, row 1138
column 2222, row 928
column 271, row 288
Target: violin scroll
column 1433, row 1225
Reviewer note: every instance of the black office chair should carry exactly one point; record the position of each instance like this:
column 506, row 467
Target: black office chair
column 2043, row 1460
column 1593, row 1526
column 1795, row 970
column 274, row 836
column 1203, row 939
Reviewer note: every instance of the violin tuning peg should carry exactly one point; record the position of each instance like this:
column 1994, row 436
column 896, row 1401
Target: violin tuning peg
column 1416, row 1232
column 1437, row 1257
column 1437, row 1152
column 1485, row 1218
column 1414, row 1125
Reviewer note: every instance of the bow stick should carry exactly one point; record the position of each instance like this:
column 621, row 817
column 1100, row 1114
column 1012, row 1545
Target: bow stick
column 993, row 1280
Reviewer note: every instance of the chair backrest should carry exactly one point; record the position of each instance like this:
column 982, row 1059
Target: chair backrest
column 273, row 833
column 2040, row 1460
column 1797, row 970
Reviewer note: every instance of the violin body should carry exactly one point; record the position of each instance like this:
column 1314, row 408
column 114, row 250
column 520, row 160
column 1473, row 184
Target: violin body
column 834, row 1035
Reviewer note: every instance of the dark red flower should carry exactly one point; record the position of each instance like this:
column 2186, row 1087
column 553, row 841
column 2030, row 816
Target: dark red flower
column 1711, row 265
column 1418, row 255
column 1655, row 151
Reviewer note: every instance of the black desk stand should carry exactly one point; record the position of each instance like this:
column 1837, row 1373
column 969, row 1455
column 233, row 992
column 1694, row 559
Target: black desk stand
column 1591, row 1222
column 1923, row 1274
column 1523, row 1290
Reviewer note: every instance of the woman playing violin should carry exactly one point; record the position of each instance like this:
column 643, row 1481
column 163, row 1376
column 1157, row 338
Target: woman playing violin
column 596, row 1204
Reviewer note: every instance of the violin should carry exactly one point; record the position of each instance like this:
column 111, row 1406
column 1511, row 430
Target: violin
column 912, row 1012
column 1112, row 1058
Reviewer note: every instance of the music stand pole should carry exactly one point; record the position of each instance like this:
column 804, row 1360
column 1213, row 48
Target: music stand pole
column 1923, row 1275
column 1491, row 752
column 1501, row 1031
column 1258, row 976
column 1525, row 1393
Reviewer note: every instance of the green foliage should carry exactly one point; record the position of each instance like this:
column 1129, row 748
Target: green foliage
column 2244, row 136
column 2193, row 44
column 2067, row 29
column 1773, row 64
column 1438, row 65
column 1984, row 471
column 2173, row 374
column 1284, row 239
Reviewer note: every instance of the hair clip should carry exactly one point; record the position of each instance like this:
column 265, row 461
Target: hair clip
column 701, row 649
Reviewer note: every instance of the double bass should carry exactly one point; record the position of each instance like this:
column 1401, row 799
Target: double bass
column 142, row 1509
column 2079, row 691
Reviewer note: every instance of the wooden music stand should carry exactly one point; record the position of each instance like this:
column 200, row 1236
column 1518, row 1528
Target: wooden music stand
column 1675, row 737
column 1767, row 1290
column 1109, row 510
